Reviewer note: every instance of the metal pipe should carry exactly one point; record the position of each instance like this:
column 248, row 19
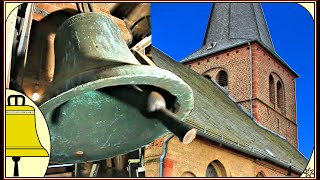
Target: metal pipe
column 163, row 155
column 156, row 106
column 295, row 99
column 250, row 52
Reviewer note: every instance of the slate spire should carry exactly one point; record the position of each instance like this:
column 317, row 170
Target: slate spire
column 234, row 23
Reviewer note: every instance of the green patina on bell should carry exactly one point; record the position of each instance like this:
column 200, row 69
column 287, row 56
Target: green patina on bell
column 95, row 107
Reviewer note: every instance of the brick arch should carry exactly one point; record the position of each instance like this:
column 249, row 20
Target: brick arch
column 213, row 73
column 262, row 170
column 277, row 76
column 218, row 68
column 188, row 174
column 216, row 169
column 261, row 174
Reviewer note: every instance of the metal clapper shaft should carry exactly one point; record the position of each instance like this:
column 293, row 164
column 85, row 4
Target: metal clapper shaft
column 156, row 107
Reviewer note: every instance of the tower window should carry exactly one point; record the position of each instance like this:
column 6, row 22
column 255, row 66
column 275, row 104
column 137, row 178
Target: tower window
column 280, row 96
column 271, row 90
column 222, row 78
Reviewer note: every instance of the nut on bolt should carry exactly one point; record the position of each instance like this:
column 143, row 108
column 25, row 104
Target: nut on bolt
column 79, row 153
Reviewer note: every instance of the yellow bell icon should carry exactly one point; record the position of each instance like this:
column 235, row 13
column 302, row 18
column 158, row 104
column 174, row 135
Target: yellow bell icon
column 21, row 134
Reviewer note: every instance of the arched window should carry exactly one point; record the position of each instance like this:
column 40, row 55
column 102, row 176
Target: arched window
column 280, row 96
column 260, row 174
column 271, row 90
column 216, row 169
column 188, row 174
column 222, row 78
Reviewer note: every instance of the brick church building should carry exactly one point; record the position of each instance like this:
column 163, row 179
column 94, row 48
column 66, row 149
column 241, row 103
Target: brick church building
column 245, row 106
column 244, row 94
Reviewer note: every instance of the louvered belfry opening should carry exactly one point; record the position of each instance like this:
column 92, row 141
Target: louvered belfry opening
column 280, row 96
column 222, row 78
column 271, row 90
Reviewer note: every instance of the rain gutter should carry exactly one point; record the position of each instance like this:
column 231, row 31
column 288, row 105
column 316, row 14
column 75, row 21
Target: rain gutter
column 250, row 152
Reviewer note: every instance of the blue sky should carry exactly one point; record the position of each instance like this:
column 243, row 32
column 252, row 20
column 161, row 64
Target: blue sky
column 178, row 30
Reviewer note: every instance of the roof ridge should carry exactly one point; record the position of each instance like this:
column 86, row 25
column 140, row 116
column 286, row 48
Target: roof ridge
column 208, row 25
column 233, row 23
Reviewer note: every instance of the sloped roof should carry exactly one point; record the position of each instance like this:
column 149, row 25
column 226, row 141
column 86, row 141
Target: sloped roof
column 234, row 24
column 216, row 116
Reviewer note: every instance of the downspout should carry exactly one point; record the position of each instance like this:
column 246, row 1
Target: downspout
column 295, row 96
column 163, row 155
column 251, row 113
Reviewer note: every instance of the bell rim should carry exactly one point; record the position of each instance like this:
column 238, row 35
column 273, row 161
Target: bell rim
column 102, row 77
column 125, row 75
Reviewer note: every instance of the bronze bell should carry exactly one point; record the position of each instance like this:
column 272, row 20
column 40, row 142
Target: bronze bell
column 97, row 105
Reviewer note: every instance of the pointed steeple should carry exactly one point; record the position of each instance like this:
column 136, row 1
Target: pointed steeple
column 231, row 24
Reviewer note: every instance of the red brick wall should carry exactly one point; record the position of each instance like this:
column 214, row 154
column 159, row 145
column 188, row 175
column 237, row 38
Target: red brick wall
column 265, row 112
column 265, row 64
column 275, row 121
column 236, row 62
column 195, row 158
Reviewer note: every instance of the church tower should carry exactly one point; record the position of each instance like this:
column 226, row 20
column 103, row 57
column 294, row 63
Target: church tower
column 238, row 54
